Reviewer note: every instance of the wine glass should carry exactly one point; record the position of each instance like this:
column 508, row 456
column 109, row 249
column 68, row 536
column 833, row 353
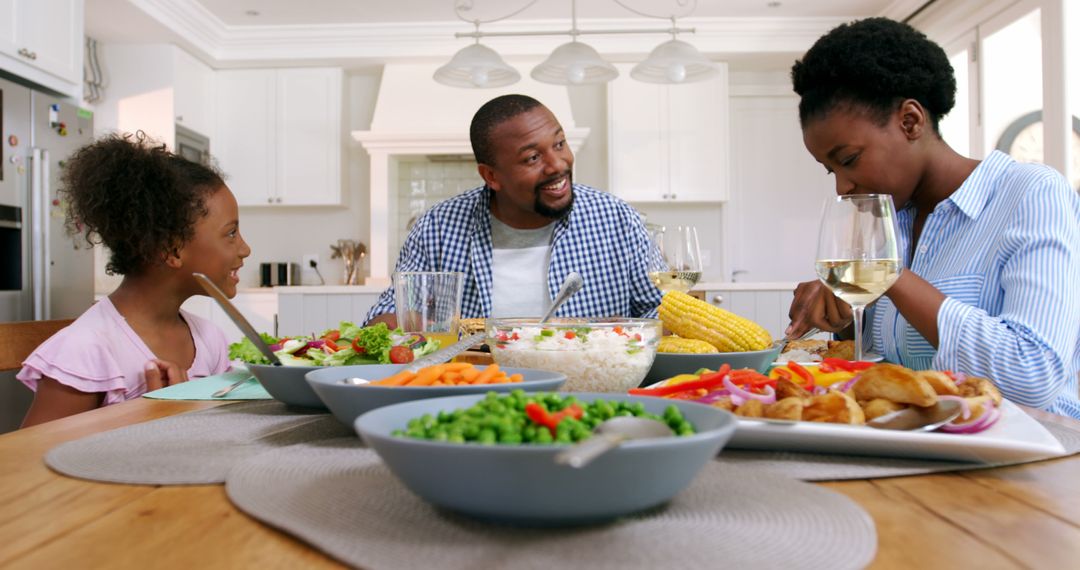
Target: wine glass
column 679, row 266
column 857, row 255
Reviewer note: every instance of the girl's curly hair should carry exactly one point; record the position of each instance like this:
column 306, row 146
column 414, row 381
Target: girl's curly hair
column 874, row 64
column 128, row 192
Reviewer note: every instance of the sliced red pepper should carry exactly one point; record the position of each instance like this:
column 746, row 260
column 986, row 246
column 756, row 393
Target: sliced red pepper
column 332, row 335
column 356, row 346
column 570, row 335
column 803, row 373
column 539, row 414
column 712, row 381
column 848, row 365
column 826, row 368
column 783, row 374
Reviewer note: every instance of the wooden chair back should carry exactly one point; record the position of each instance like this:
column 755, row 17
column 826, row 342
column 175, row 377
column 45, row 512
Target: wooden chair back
column 19, row 339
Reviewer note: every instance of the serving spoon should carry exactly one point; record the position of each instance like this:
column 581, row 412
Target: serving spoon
column 914, row 418
column 570, row 285
column 608, row 435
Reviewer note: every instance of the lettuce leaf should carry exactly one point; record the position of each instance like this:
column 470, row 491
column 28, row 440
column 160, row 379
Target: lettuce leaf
column 245, row 350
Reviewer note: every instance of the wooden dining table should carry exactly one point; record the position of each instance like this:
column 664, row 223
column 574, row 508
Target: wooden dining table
column 1024, row 516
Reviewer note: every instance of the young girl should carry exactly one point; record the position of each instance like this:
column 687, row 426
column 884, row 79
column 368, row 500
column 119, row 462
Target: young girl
column 991, row 248
column 162, row 218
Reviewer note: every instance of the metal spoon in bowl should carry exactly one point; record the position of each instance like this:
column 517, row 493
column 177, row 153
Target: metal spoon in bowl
column 608, row 435
column 572, row 284
column 914, row 418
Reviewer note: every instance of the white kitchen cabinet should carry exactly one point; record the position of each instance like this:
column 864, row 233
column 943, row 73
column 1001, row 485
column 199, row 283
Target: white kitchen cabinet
column 193, row 92
column 312, row 313
column 766, row 305
column 42, row 41
column 259, row 307
column 668, row 142
column 278, row 135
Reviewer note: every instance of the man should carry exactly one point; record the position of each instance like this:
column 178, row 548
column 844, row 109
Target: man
column 519, row 235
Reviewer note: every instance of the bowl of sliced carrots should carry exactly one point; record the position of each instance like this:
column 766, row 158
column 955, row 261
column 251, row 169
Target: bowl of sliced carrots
column 392, row 384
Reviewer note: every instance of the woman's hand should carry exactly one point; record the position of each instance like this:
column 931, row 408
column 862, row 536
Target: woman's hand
column 162, row 373
column 816, row 306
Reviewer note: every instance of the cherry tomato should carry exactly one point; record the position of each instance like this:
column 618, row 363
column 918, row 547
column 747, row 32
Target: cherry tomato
column 356, row 346
column 401, row 355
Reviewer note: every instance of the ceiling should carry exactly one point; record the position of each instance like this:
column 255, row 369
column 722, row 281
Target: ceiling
column 292, row 12
column 749, row 34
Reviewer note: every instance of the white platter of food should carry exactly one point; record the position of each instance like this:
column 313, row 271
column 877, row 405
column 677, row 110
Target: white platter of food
column 831, row 418
column 1015, row 437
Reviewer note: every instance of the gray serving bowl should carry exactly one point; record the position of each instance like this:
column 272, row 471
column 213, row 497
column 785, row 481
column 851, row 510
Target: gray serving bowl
column 286, row 384
column 348, row 401
column 667, row 364
column 522, row 484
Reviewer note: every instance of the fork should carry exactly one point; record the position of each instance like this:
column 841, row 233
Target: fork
column 226, row 390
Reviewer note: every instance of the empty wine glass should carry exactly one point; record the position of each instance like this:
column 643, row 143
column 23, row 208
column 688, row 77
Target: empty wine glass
column 857, row 255
column 679, row 267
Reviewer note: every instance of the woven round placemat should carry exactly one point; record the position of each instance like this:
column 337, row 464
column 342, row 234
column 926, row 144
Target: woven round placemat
column 822, row 467
column 195, row 448
column 340, row 498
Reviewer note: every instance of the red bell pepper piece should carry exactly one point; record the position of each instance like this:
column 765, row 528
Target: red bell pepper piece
column 712, row 381
column 803, row 373
column 539, row 414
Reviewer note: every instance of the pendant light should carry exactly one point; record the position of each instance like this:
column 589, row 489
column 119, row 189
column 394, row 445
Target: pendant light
column 573, row 63
column 476, row 66
column 674, row 61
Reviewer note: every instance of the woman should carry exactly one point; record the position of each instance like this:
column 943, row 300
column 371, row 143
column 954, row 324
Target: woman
column 991, row 249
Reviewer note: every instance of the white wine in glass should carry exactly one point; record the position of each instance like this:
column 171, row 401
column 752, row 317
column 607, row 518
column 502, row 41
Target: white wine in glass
column 679, row 269
column 858, row 258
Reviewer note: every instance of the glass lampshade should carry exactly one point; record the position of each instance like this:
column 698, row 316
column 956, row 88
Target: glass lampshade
column 574, row 63
column 476, row 66
column 674, row 61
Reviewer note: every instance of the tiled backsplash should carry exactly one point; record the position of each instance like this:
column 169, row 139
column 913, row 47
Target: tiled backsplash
column 422, row 183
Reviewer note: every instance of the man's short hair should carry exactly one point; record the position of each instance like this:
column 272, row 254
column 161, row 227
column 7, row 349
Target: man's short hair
column 492, row 114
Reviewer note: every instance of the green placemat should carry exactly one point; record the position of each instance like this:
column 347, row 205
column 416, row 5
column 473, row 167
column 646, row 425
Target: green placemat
column 202, row 388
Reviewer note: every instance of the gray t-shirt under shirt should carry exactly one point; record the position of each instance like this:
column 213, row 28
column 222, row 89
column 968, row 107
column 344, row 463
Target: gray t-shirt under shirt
column 519, row 268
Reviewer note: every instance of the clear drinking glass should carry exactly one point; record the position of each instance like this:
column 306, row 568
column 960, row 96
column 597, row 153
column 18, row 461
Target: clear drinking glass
column 679, row 268
column 429, row 303
column 857, row 255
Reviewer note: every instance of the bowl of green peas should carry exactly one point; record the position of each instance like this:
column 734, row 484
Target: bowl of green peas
column 492, row 456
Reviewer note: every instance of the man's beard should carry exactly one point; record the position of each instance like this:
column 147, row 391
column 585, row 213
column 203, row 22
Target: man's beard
column 553, row 213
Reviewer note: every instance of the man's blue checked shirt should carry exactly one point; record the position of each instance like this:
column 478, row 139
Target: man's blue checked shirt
column 602, row 238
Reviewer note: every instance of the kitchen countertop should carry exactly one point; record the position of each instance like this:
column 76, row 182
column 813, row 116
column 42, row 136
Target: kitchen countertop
column 703, row 286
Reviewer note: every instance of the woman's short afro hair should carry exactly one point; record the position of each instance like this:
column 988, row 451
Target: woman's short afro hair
column 874, row 64
column 133, row 195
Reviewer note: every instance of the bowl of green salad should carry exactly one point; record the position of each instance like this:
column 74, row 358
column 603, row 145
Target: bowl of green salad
column 347, row 345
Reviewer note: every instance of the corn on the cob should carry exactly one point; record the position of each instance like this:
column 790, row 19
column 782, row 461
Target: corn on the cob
column 693, row 318
column 680, row 345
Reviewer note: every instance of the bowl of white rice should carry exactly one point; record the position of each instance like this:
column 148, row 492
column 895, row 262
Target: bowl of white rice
column 596, row 355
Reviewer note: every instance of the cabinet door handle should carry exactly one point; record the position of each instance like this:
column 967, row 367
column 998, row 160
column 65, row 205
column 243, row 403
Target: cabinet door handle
column 27, row 53
column 673, row 196
column 719, row 299
column 279, row 200
column 179, row 118
column 269, row 200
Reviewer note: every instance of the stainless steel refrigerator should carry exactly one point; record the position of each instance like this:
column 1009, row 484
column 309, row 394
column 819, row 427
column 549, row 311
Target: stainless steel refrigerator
column 44, row 273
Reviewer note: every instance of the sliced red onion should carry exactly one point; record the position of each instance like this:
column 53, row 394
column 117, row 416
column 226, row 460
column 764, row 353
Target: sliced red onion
column 988, row 418
column 737, row 400
column 820, row 391
column 845, row 386
column 965, row 408
column 275, row 347
column 316, row 343
column 769, row 397
column 959, row 378
column 713, row 396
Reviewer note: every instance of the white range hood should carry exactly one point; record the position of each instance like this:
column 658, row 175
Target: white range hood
column 414, row 115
